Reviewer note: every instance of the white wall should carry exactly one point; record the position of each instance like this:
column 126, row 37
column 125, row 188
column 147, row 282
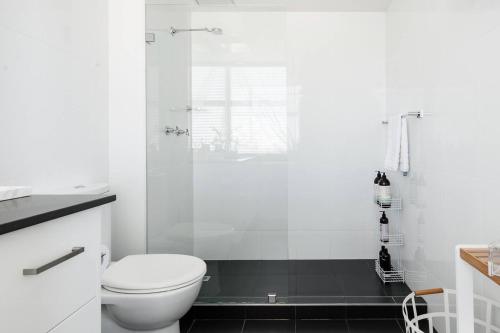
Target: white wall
column 337, row 73
column 127, row 120
column 53, row 93
column 443, row 57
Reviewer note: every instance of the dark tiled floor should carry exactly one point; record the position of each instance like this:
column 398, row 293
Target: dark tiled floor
column 297, row 282
column 295, row 326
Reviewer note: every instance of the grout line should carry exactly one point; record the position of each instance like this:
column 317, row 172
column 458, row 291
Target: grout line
column 400, row 326
column 243, row 326
column 191, row 326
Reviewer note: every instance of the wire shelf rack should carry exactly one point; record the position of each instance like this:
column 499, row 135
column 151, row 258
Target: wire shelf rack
column 393, row 204
column 395, row 275
column 394, row 240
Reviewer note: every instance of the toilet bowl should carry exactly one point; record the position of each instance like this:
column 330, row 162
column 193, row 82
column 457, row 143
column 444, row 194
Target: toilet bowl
column 149, row 293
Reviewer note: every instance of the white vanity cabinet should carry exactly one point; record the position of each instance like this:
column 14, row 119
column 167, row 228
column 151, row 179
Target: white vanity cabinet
column 50, row 275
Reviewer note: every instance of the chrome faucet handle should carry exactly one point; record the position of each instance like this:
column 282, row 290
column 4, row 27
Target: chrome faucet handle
column 179, row 131
column 169, row 130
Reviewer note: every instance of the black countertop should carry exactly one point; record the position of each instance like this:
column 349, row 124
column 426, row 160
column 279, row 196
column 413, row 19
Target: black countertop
column 28, row 211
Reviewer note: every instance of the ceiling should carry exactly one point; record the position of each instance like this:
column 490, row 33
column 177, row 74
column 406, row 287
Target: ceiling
column 291, row 5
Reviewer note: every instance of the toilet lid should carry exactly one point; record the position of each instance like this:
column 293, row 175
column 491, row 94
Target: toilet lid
column 153, row 273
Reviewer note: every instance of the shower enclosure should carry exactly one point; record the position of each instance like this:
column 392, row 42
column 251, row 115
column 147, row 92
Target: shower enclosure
column 262, row 141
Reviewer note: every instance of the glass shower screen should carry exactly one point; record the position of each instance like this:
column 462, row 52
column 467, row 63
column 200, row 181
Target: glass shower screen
column 218, row 141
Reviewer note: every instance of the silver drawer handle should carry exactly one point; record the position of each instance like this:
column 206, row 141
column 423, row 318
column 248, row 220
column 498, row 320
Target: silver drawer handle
column 35, row 271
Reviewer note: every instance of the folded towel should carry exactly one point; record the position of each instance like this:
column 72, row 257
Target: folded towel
column 404, row 158
column 397, row 155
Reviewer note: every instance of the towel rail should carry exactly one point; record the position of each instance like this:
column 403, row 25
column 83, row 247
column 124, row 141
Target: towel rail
column 417, row 114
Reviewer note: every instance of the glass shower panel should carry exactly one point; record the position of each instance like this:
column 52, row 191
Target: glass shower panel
column 169, row 157
column 239, row 142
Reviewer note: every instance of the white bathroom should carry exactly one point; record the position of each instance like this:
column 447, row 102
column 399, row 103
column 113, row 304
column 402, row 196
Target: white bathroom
column 249, row 166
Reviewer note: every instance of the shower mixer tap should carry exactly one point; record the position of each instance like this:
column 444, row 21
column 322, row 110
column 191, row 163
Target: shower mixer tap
column 177, row 131
column 169, row 130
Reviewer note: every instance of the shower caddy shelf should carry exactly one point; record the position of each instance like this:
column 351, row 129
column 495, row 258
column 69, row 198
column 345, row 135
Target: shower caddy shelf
column 395, row 204
column 394, row 275
column 396, row 239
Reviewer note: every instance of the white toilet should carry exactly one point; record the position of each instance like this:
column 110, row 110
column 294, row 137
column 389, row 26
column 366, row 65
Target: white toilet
column 150, row 292
column 147, row 292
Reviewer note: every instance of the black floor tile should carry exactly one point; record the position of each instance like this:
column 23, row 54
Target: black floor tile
column 219, row 312
column 319, row 285
column 373, row 312
column 269, row 326
column 270, row 312
column 369, row 300
column 374, row 326
column 271, row 283
column 321, row 326
column 418, row 300
column 217, row 326
column 320, row 312
column 239, row 281
column 397, row 289
column 186, row 321
column 229, row 286
column 315, row 300
column 316, row 267
column 367, row 284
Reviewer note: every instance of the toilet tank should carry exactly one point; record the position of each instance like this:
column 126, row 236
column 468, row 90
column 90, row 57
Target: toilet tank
column 89, row 189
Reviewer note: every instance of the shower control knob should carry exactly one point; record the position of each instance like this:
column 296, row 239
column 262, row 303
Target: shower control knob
column 169, row 130
column 179, row 131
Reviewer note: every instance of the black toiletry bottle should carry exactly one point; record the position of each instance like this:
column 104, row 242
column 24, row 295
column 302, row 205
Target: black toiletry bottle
column 384, row 192
column 386, row 261
column 375, row 186
column 384, row 228
column 382, row 249
column 382, row 258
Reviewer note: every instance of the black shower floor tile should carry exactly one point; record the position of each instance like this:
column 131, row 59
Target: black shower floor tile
column 295, row 282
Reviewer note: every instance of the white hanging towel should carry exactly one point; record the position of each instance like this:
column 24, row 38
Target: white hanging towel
column 397, row 155
column 404, row 156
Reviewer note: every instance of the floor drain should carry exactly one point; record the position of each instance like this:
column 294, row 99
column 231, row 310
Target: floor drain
column 271, row 298
column 206, row 278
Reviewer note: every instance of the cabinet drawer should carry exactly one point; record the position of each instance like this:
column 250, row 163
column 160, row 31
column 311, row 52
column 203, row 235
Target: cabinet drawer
column 85, row 320
column 37, row 303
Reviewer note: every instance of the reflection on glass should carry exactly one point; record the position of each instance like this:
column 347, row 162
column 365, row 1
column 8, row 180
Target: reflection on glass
column 239, row 109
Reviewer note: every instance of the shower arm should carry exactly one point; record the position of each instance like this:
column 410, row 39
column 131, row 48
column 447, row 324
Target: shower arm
column 174, row 31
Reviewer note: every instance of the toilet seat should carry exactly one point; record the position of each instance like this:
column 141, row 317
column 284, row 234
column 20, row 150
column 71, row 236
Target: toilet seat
column 153, row 273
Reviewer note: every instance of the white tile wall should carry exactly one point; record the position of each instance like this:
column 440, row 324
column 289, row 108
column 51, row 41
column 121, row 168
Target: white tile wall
column 443, row 57
column 53, row 93
column 337, row 63
column 127, row 125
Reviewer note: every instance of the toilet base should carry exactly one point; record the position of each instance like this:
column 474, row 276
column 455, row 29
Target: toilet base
column 108, row 325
